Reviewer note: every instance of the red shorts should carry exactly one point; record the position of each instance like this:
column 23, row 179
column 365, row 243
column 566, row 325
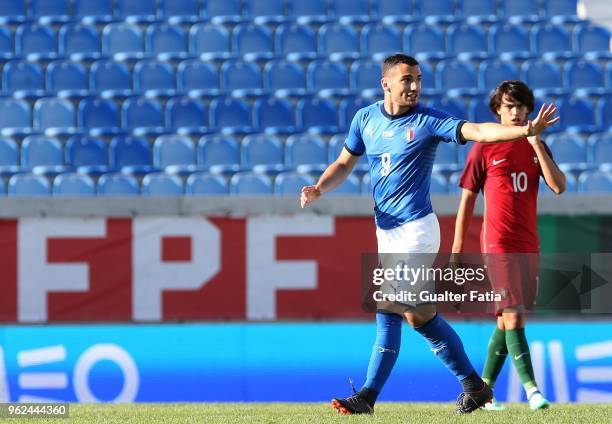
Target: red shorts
column 514, row 276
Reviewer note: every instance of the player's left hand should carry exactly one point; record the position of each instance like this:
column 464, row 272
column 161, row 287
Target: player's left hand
column 309, row 194
column 546, row 118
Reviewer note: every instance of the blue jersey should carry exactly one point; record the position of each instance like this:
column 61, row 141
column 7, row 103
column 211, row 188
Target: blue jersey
column 401, row 150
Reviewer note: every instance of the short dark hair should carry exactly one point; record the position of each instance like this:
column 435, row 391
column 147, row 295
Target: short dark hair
column 396, row 59
column 518, row 90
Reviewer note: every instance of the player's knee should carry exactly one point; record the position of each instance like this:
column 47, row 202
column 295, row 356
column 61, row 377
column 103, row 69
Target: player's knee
column 419, row 319
column 513, row 319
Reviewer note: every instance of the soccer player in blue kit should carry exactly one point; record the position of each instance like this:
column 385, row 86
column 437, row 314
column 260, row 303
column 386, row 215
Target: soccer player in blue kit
column 400, row 138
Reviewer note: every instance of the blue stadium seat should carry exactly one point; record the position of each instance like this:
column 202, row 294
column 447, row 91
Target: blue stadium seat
column 439, row 12
column 79, row 42
column 600, row 149
column 178, row 12
column 291, row 183
column 230, row 116
column 123, row 41
column 223, row 11
column 366, row 185
column 452, row 106
column 73, row 185
column 250, row 184
column 204, row 184
column 242, row 79
column 143, row 117
column 262, row 153
column 428, row 82
column 135, row 11
column 349, row 107
column 167, row 42
column 220, row 154
column 175, row 154
column 584, row 78
column 551, row 42
column 327, row 78
column 284, row 78
column 6, row 44
column 306, row 152
column 592, row 41
column 36, row 42
column 457, row 78
column 67, row 79
column 350, row 187
column 187, row 116
column 351, row 12
column 12, row 12
column 543, row 77
column 395, row 12
column 425, row 42
column 131, row 155
column 15, row 117
column 49, row 11
column 478, row 111
column 308, row 12
column 467, row 42
column 110, row 79
column 118, row 185
column 210, row 42
column 93, row 11
column 42, row 155
column 154, row 78
column 446, row 158
column 604, row 113
column 265, row 11
column 87, row 155
column 479, row 12
column 339, row 42
column 561, row 11
column 365, row 77
column 593, row 182
column 162, row 185
column 295, row 42
column 439, row 185
column 253, row 42
column 379, row 41
column 492, row 73
column 577, row 115
column 509, row 42
column 23, row 79
column 569, row 150
column 54, row 117
column 520, row 12
column 98, row 116
column 571, row 185
column 28, row 185
column 336, row 144
column 609, row 75
column 274, row 116
column 198, row 79
column 317, row 116
column 9, row 157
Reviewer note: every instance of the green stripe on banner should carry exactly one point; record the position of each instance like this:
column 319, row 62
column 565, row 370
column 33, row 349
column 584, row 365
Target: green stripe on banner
column 547, row 229
column 605, row 234
column 578, row 234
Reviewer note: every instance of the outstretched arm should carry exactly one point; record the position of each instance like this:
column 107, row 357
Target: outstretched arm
column 490, row 132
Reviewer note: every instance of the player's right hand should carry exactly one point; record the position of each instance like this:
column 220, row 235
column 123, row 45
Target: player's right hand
column 546, row 117
column 309, row 194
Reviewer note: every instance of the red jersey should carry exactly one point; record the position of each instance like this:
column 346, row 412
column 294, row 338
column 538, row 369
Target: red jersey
column 508, row 174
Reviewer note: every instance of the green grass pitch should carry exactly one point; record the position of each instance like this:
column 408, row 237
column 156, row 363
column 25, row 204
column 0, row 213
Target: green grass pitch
column 311, row 413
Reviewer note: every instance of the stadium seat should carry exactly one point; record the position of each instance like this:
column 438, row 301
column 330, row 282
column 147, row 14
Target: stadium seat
column 609, row 75
column 284, row 78
column 175, row 154
column 178, row 12
column 9, row 157
column 543, row 77
column 366, row 185
column 452, row 106
column 204, row 184
column 131, row 155
column 162, row 185
column 12, row 12
column 336, row 144
column 600, row 149
column 446, row 158
column 187, row 116
column 93, row 11
column 210, row 42
column 22, row 79
column 439, row 185
column 577, row 115
column 478, row 111
column 291, row 183
column 584, row 78
column 135, row 11
column 230, row 116
column 250, row 184
column 365, row 77
column 241, row 79
column 262, row 153
column 351, row 186
column 73, row 185
column 28, row 185
column 479, row 12
column 317, row 116
column 167, row 42
column 98, row 116
column 425, row 42
column 110, row 79
column 253, row 42
column 54, row 117
column 222, row 12
column 439, row 12
column 42, row 155
column 49, row 11
column 338, row 42
column 604, row 113
column 428, row 82
column 467, row 42
column 154, row 78
column 592, row 41
column 295, row 42
column 6, row 43
column 349, row 107
column 36, row 42
column 457, row 78
column 521, row 12
column 351, row 12
column 509, row 42
column 15, row 117
column 79, row 42
column 310, row 12
column 87, row 155
column 219, row 152
column 379, row 41
column 274, row 116
column 306, row 152
column 265, row 12
column 593, row 182
column 123, row 41
column 551, row 42
column 198, row 79
column 395, row 11
column 327, row 78
column 571, row 186
column 492, row 73
column 143, row 117
column 569, row 150
column 561, row 11
column 118, row 185
column 67, row 79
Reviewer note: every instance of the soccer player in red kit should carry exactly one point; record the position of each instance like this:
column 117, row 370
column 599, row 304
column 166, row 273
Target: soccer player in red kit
column 509, row 174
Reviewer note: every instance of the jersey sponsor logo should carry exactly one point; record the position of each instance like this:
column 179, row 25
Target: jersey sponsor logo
column 497, row 162
column 388, row 134
column 409, row 133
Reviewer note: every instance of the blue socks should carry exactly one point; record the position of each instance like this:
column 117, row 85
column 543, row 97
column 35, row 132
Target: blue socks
column 385, row 351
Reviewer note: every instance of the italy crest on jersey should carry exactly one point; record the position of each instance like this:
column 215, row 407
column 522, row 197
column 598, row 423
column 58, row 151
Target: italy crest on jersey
column 409, row 133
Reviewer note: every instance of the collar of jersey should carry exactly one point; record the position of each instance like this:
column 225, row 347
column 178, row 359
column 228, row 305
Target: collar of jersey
column 401, row 115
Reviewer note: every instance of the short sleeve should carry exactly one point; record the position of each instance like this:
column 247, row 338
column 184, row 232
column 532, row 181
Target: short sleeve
column 445, row 127
column 354, row 142
column 474, row 173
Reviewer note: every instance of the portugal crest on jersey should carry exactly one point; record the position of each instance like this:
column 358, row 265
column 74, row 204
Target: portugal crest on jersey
column 409, row 133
